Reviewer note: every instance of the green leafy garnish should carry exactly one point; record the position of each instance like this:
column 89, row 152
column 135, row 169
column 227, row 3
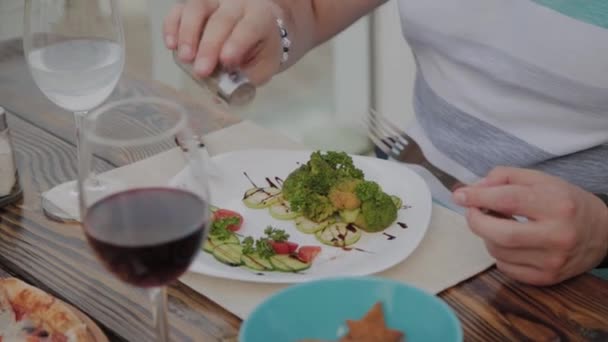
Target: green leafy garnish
column 248, row 245
column 219, row 228
column 264, row 248
column 275, row 234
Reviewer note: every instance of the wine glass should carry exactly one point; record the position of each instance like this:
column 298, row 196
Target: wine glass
column 144, row 230
column 75, row 53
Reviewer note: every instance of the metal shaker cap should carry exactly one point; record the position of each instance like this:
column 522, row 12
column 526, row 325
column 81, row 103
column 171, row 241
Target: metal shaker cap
column 231, row 87
column 235, row 88
column 3, row 123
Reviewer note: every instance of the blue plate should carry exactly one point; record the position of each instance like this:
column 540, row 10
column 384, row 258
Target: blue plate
column 319, row 310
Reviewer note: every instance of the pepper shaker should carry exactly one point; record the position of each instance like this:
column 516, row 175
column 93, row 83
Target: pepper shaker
column 229, row 87
column 10, row 190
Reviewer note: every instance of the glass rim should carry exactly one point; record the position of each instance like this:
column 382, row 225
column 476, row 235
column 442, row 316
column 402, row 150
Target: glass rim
column 170, row 133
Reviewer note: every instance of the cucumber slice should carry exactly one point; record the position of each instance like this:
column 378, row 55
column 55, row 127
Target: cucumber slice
column 256, row 262
column 288, row 263
column 212, row 242
column 398, row 202
column 339, row 235
column 258, row 198
column 229, row 254
column 282, row 210
column 307, row 226
column 349, row 216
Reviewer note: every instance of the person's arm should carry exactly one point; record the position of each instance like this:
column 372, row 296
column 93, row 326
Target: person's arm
column 312, row 22
column 603, row 198
column 245, row 33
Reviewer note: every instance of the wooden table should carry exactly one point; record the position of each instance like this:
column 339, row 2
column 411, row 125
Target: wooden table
column 56, row 258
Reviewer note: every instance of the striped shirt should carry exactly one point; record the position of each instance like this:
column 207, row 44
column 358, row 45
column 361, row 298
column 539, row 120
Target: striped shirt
column 512, row 82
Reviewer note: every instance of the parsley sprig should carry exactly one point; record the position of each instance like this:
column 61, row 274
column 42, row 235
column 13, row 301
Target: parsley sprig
column 275, row 234
column 219, row 228
column 263, row 246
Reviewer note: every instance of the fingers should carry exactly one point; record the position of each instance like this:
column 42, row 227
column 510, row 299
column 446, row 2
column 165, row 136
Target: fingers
column 171, row 26
column 254, row 45
column 192, row 23
column 527, row 274
column 235, row 34
column 506, row 233
column 540, row 259
column 506, row 199
column 510, row 175
column 219, row 27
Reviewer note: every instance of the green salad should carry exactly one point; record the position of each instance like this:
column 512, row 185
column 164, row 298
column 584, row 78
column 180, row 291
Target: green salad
column 329, row 196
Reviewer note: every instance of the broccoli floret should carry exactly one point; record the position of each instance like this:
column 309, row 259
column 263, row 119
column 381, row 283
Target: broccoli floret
column 318, row 208
column 378, row 210
column 343, row 165
column 295, row 181
column 367, row 190
column 321, row 178
column 377, row 214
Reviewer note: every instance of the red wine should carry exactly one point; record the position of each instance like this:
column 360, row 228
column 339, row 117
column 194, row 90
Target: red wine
column 147, row 237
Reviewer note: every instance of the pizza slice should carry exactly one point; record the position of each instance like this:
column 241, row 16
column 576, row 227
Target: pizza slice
column 7, row 315
column 33, row 315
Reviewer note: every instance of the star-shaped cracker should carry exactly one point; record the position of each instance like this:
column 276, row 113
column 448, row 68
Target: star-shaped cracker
column 371, row 328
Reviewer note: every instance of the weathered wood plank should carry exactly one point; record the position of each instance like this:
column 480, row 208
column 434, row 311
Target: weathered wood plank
column 493, row 307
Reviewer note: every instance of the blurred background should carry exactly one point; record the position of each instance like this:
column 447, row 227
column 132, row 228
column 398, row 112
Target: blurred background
column 320, row 102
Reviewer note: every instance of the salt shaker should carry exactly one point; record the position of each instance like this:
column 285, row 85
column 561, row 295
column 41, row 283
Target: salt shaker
column 9, row 185
column 230, row 87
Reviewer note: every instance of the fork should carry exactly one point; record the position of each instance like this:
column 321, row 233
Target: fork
column 395, row 143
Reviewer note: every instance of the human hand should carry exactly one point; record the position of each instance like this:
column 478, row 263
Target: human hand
column 233, row 33
column 565, row 234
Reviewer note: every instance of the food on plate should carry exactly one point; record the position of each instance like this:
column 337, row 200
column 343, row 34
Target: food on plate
column 272, row 252
column 234, row 222
column 329, row 197
column 378, row 210
column 282, row 210
column 29, row 314
column 308, row 187
column 339, row 234
column 259, row 198
column 371, row 328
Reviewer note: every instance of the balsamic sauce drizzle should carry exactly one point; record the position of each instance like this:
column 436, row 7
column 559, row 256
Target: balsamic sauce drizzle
column 250, row 181
column 389, row 236
column 272, row 185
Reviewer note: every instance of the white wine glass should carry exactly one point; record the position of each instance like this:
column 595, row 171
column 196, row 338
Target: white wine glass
column 144, row 229
column 75, row 53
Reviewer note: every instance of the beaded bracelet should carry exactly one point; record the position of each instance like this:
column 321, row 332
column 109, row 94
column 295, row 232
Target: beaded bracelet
column 285, row 41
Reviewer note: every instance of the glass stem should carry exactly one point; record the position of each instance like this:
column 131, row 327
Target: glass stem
column 79, row 118
column 79, row 123
column 158, row 297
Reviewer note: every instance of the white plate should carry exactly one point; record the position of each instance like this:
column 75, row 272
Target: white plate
column 229, row 185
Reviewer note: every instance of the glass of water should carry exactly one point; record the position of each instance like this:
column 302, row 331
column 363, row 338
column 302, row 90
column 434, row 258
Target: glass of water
column 75, row 52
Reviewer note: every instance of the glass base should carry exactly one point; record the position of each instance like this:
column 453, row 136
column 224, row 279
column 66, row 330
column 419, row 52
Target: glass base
column 61, row 203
